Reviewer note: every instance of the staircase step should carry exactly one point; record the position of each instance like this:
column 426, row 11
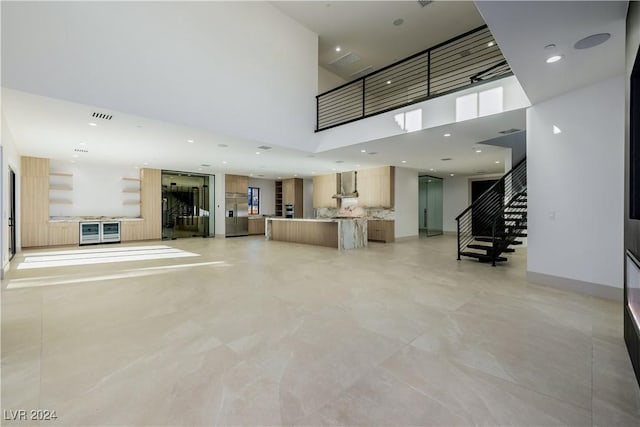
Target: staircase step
column 489, row 240
column 520, row 234
column 488, row 248
column 482, row 257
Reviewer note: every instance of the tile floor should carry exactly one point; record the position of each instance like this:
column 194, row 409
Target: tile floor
column 249, row 332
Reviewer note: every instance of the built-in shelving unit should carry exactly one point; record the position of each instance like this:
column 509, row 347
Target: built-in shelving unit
column 60, row 182
column 131, row 188
column 278, row 198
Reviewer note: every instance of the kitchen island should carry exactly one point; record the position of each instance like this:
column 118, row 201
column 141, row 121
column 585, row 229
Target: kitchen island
column 340, row 233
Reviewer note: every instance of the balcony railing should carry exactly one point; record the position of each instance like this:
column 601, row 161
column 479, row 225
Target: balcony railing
column 455, row 64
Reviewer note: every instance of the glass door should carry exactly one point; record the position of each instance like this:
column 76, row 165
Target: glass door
column 430, row 201
column 185, row 205
column 12, row 214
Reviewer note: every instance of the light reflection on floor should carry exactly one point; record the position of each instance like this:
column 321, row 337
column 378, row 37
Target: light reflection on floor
column 101, row 256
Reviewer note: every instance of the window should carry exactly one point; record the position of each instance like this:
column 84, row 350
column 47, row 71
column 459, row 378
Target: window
column 479, row 104
column 254, row 201
column 409, row 121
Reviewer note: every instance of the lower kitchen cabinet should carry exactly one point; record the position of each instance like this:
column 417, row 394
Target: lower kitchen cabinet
column 381, row 230
column 64, row 233
column 256, row 226
column 131, row 230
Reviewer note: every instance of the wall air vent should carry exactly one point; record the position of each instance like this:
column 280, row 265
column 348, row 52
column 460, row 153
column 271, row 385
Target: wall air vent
column 423, row 3
column 345, row 60
column 264, row 147
column 372, row 153
column 102, row 116
column 80, row 150
column 446, row 159
column 362, row 72
column 205, row 165
column 508, row 131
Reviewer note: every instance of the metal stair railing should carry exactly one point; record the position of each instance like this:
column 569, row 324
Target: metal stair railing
column 485, row 216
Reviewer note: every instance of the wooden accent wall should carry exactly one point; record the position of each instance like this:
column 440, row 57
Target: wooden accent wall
column 376, row 187
column 151, row 203
column 34, row 192
column 324, row 188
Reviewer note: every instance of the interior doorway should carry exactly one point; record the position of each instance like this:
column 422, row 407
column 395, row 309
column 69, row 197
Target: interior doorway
column 12, row 213
column 185, row 205
column 430, row 202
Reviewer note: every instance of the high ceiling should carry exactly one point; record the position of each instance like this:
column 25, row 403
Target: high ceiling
column 366, row 28
column 48, row 127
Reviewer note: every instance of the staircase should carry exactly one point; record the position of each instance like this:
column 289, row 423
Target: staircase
column 492, row 224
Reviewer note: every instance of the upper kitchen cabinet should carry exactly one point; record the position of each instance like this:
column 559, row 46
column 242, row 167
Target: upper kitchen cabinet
column 292, row 195
column 236, row 184
column 376, row 187
column 324, row 188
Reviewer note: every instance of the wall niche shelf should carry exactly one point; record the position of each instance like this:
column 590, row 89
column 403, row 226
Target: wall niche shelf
column 60, row 187
column 131, row 202
column 131, row 190
column 126, row 178
column 60, row 174
column 60, row 202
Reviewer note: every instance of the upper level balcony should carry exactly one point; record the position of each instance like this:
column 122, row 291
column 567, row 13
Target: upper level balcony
column 468, row 59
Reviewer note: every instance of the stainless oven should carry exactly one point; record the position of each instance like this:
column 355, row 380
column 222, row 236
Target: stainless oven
column 89, row 233
column 110, row 231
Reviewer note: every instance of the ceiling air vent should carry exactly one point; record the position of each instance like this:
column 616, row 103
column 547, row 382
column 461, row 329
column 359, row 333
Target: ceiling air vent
column 102, row 116
column 446, row 159
column 205, row 166
column 345, row 60
column 508, row 131
column 362, row 72
column 80, row 150
column 264, row 147
column 372, row 153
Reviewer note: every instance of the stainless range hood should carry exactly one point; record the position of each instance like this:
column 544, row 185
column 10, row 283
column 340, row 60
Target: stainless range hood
column 348, row 185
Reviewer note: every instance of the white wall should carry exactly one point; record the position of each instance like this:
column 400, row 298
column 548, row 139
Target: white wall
column 406, row 202
column 576, row 185
column 243, row 69
column 307, row 198
column 10, row 159
column 435, row 112
column 267, row 194
column 328, row 80
column 456, row 199
column 97, row 190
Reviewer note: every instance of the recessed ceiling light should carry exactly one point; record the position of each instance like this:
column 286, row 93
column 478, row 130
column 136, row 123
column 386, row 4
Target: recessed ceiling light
column 554, row 58
column 224, row 162
column 478, row 150
column 363, row 151
column 432, row 170
column 257, row 152
column 279, row 177
column 398, row 22
column 592, row 41
column 190, row 141
column 93, row 124
column 497, row 161
column 556, row 130
column 388, row 82
column 295, row 174
column 490, row 44
column 404, row 161
column 452, row 174
column 447, row 135
column 338, row 48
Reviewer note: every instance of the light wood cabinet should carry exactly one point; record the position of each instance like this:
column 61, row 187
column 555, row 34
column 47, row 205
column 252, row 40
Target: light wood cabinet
column 376, row 187
column 131, row 231
column 256, row 226
column 292, row 194
column 324, row 188
column 381, row 230
column 64, row 233
column 236, row 184
column 151, row 203
column 34, row 192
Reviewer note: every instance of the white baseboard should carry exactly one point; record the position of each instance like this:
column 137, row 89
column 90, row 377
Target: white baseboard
column 406, row 238
column 579, row 286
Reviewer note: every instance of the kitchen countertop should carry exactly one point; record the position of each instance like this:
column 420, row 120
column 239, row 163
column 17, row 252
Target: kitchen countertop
column 316, row 219
column 91, row 218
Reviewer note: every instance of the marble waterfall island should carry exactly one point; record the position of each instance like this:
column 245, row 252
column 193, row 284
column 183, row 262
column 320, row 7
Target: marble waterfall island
column 340, row 233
